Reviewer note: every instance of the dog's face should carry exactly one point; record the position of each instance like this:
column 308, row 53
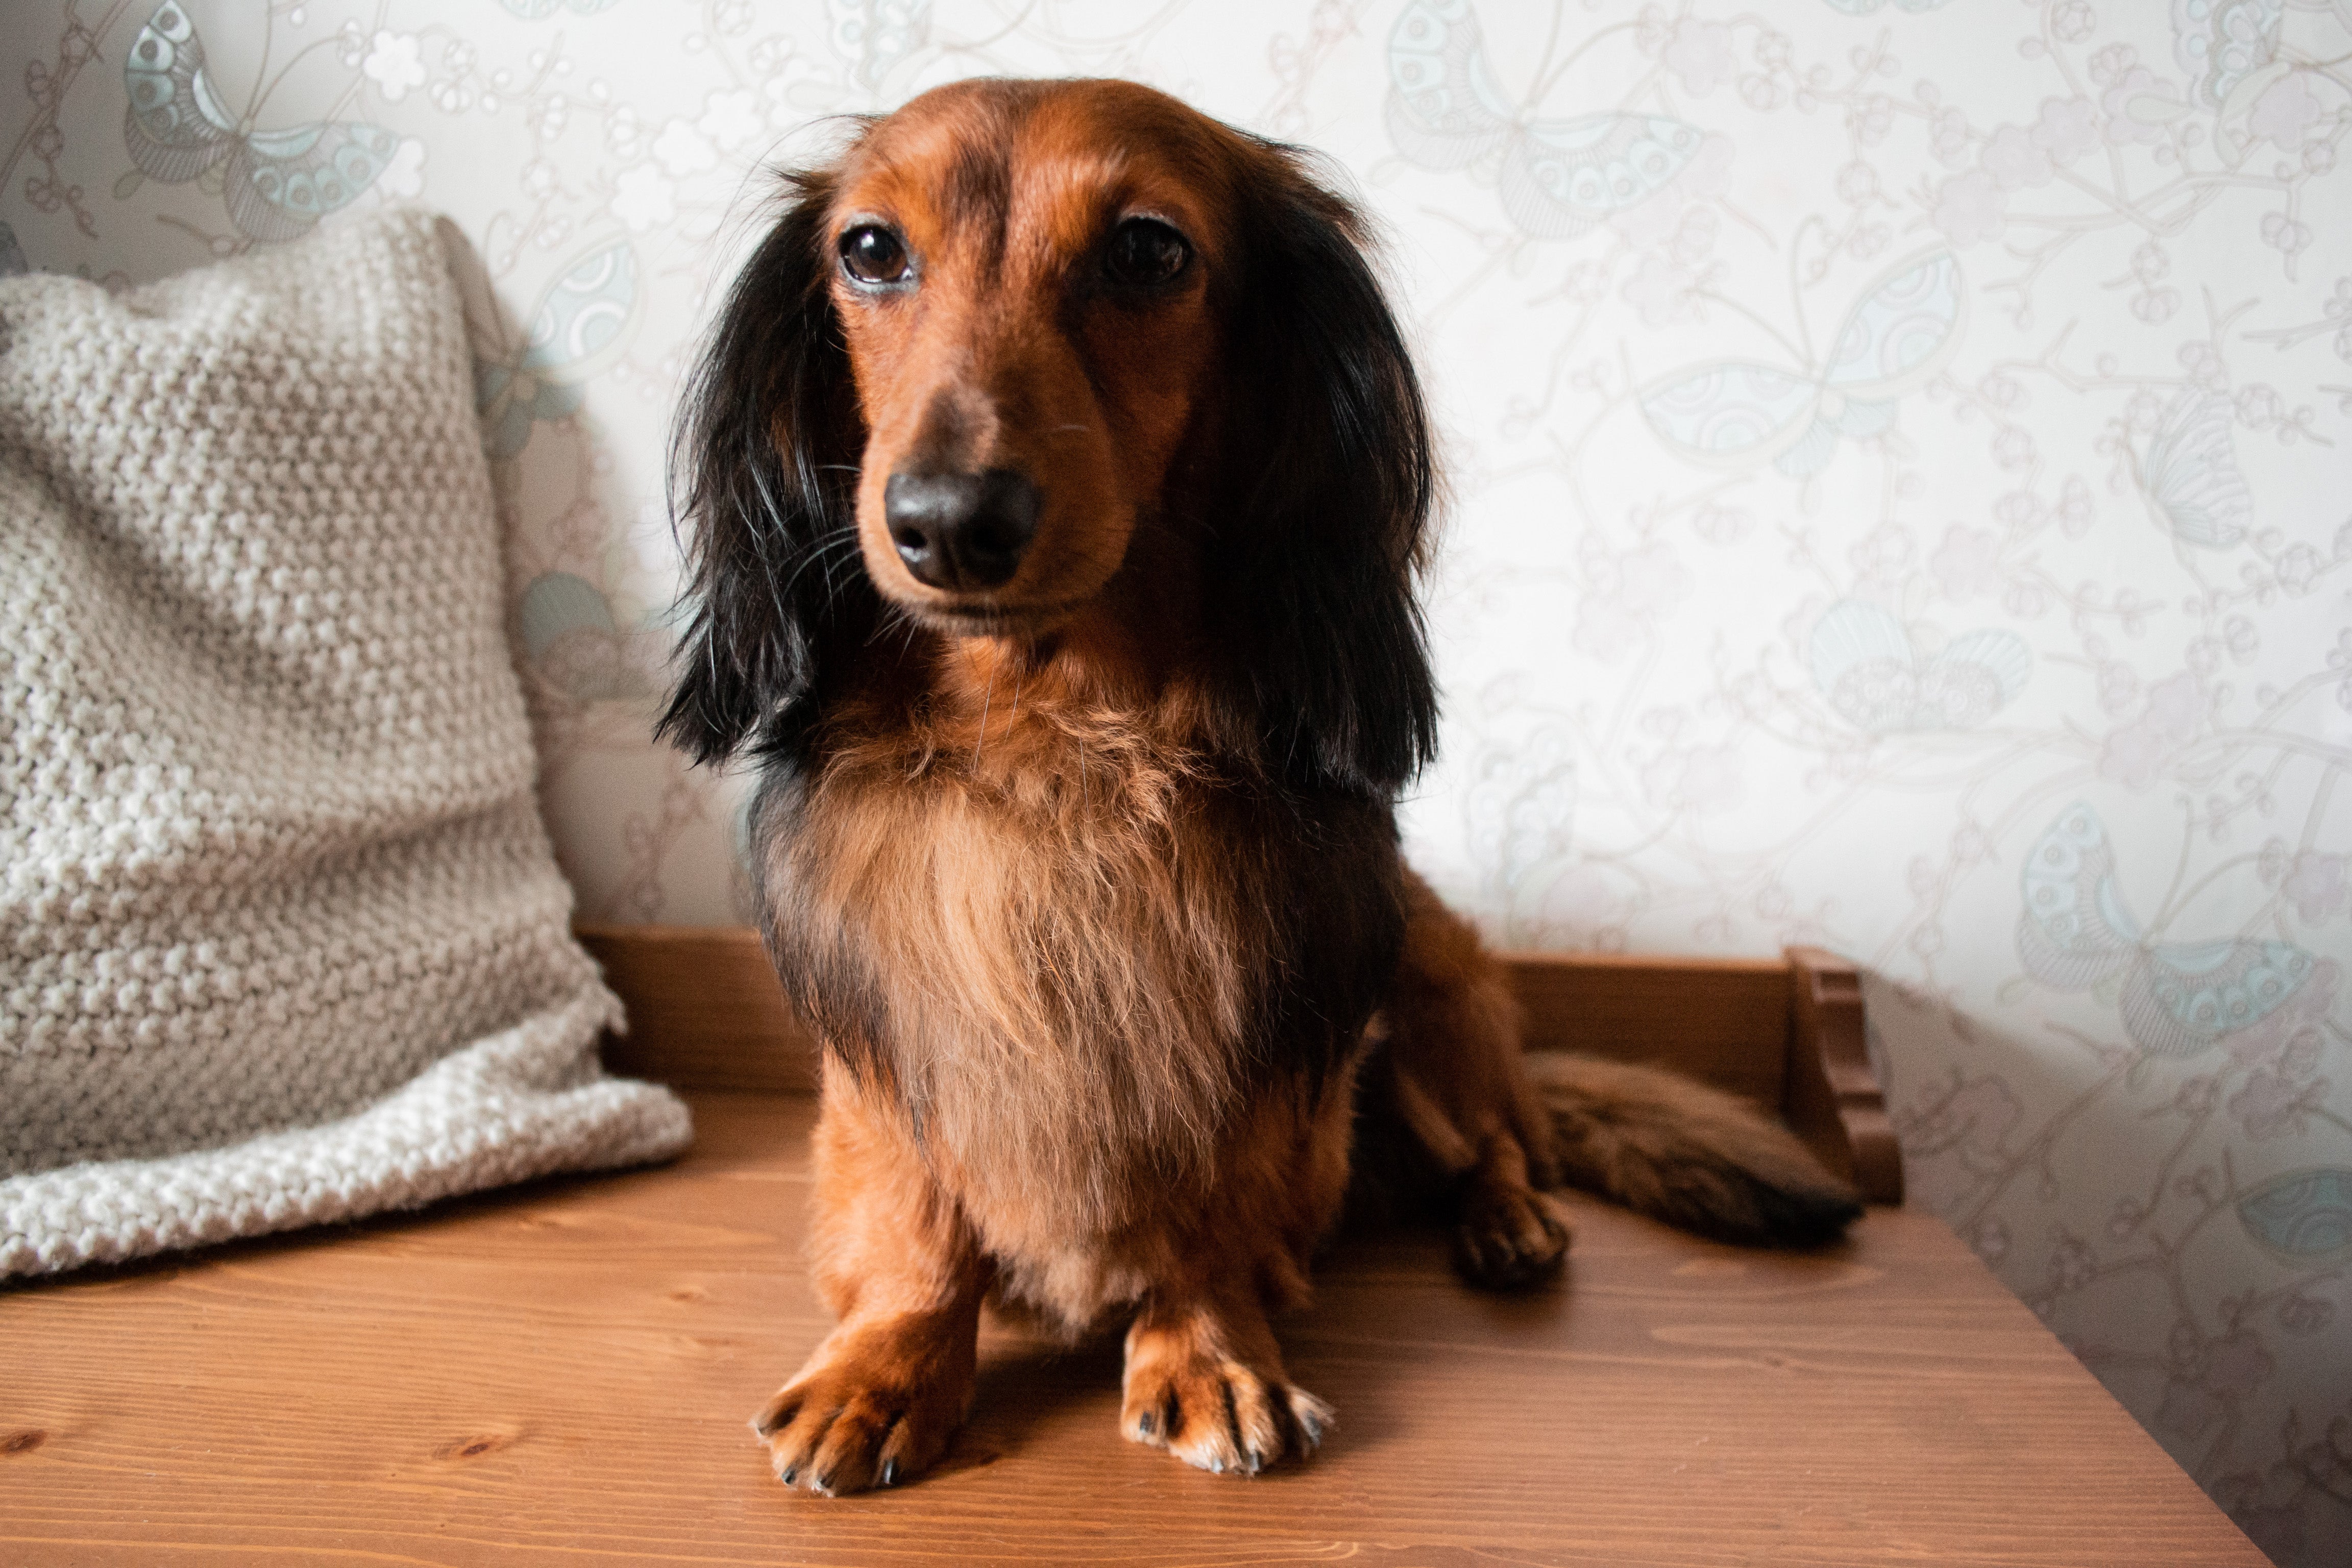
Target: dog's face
column 1027, row 291
column 1068, row 366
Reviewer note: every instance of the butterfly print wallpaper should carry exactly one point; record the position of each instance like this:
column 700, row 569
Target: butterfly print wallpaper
column 1901, row 460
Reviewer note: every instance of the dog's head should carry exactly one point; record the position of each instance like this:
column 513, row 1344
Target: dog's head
column 1034, row 361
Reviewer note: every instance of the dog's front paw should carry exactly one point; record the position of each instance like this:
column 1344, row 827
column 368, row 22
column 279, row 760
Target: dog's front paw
column 1508, row 1235
column 1217, row 1414
column 860, row 1417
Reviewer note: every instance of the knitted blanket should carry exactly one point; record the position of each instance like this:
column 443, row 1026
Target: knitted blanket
column 282, row 939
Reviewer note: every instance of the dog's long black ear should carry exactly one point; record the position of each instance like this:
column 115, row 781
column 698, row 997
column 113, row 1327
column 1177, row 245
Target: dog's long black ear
column 763, row 474
column 1334, row 495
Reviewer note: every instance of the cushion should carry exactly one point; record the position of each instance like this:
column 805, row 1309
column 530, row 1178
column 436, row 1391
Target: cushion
column 282, row 936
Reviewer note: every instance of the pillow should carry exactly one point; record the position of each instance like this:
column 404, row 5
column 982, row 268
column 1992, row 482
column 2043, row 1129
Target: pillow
column 282, row 939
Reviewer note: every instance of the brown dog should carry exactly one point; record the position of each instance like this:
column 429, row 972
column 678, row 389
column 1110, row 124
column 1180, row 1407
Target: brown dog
column 1057, row 479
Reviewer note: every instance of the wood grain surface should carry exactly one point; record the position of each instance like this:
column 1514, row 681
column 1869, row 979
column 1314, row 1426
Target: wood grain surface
column 562, row 1374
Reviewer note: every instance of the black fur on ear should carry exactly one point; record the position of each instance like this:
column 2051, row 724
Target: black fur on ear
column 763, row 468
column 1328, row 512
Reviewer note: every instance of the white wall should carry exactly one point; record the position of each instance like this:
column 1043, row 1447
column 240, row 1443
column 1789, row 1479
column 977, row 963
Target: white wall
column 1902, row 466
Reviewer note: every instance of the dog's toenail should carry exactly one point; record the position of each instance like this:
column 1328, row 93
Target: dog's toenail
column 787, row 1474
column 889, row 1472
column 1146, row 1423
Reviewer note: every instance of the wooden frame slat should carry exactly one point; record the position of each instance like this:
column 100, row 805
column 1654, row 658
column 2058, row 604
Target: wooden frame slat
column 705, row 1013
column 1722, row 1020
column 705, row 1010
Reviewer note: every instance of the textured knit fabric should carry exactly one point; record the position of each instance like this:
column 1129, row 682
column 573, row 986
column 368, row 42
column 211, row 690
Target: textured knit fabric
column 281, row 937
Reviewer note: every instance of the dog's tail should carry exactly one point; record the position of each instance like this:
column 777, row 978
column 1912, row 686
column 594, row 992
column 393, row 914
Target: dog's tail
column 1675, row 1150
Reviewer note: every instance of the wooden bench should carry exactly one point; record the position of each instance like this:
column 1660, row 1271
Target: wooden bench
column 561, row 1373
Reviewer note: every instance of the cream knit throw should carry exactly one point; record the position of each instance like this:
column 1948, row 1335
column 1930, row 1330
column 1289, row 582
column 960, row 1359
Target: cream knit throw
column 281, row 937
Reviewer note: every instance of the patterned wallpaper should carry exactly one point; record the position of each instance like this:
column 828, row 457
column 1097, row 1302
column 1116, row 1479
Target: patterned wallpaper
column 1902, row 467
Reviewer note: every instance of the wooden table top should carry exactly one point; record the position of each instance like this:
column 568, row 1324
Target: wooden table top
column 562, row 1374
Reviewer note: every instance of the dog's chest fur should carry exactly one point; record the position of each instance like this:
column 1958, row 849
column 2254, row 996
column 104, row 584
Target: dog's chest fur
column 1077, row 970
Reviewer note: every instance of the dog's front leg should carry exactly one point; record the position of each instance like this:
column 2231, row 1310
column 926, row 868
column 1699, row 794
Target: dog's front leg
column 877, row 1402
column 1204, row 1379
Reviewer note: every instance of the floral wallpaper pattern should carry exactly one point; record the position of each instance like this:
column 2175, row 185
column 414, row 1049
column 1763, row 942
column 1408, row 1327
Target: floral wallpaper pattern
column 1902, row 478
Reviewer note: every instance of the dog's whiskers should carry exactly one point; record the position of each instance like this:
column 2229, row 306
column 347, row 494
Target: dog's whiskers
column 820, row 552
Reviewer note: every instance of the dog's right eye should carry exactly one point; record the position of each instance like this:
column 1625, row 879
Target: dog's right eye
column 872, row 254
column 1145, row 252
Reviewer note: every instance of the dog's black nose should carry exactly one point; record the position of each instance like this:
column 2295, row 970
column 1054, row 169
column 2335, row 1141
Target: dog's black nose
column 960, row 531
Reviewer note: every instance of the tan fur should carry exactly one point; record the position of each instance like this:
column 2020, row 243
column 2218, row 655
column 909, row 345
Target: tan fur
column 1456, row 1042
column 1061, row 938
column 1687, row 1153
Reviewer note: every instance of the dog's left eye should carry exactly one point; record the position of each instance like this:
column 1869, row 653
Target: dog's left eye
column 872, row 254
column 1145, row 251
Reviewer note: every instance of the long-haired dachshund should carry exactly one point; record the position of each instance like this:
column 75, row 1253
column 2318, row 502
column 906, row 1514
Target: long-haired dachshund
column 1056, row 479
